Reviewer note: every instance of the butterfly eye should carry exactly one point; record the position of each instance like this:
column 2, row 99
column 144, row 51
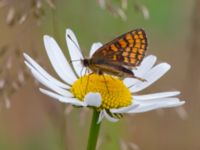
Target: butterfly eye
column 85, row 62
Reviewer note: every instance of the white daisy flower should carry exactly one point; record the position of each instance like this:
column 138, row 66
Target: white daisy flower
column 117, row 98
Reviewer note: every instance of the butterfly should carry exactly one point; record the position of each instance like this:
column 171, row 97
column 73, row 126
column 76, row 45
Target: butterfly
column 119, row 56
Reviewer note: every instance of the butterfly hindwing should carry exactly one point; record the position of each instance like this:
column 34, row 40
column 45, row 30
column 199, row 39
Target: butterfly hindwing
column 114, row 69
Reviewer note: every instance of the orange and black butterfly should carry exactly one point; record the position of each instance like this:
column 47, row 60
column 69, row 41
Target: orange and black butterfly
column 119, row 56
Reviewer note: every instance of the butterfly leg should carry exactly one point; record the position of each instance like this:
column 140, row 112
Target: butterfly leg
column 141, row 79
column 88, row 82
column 86, row 70
column 105, row 82
column 112, row 78
column 101, row 73
column 82, row 71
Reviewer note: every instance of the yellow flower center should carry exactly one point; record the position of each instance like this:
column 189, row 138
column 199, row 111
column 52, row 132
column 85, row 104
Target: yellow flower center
column 113, row 92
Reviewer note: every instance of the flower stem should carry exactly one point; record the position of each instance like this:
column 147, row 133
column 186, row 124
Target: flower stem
column 94, row 131
column 64, row 129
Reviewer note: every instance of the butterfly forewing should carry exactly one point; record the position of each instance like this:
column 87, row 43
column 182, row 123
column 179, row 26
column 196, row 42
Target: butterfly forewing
column 128, row 49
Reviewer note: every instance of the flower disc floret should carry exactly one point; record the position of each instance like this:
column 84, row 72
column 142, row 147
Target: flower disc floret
column 113, row 91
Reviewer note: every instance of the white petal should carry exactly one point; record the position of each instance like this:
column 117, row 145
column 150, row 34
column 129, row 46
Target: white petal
column 93, row 99
column 156, row 101
column 144, row 108
column 151, row 107
column 156, row 104
column 51, row 94
column 94, row 47
column 75, row 52
column 58, row 60
column 151, row 76
column 107, row 116
column 74, row 101
column 171, row 105
column 124, row 109
column 101, row 116
column 156, row 95
column 47, row 83
column 145, row 66
column 44, row 73
column 63, row 99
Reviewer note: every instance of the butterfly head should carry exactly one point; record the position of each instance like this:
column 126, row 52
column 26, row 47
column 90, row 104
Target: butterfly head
column 85, row 62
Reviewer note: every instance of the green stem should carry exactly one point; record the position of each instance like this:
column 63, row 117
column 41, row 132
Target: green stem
column 94, row 131
column 63, row 129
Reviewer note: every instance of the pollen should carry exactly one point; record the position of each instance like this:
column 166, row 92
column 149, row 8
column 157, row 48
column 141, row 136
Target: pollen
column 113, row 92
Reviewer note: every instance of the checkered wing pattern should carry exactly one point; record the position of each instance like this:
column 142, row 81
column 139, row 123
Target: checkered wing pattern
column 128, row 49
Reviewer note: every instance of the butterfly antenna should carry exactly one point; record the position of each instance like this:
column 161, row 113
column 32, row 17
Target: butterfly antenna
column 73, row 61
column 75, row 44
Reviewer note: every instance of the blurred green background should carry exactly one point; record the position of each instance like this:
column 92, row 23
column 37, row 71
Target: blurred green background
column 30, row 120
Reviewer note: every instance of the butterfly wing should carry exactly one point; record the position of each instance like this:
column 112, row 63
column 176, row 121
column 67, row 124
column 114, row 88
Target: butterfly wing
column 128, row 49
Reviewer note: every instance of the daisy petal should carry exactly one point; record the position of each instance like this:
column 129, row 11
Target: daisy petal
column 74, row 51
column 44, row 73
column 73, row 101
column 63, row 99
column 101, row 116
column 151, row 76
column 51, row 94
column 157, row 101
column 156, row 95
column 124, row 109
column 47, row 83
column 107, row 116
column 94, row 47
column 145, row 66
column 151, row 107
column 93, row 99
column 174, row 104
column 58, row 60
column 156, row 104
